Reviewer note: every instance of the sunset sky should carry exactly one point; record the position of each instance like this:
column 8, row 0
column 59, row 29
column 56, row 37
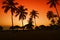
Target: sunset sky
column 38, row 5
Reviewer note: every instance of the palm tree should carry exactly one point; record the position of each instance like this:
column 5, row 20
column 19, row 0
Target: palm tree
column 53, row 3
column 51, row 16
column 30, row 24
column 22, row 13
column 9, row 5
column 34, row 15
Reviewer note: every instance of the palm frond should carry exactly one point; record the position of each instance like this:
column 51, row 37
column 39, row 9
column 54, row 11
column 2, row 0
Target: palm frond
column 24, row 16
column 51, row 5
column 49, row 2
column 17, row 11
column 50, row 14
column 25, row 9
column 37, row 16
column 13, row 9
column 3, row 7
column 6, row 9
column 33, row 14
column 16, row 3
column 22, row 12
column 25, row 13
column 4, row 2
column 16, row 15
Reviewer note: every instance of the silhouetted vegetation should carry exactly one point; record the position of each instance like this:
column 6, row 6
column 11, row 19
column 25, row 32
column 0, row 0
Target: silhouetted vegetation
column 54, row 3
column 34, row 15
column 42, row 27
column 51, row 16
column 31, row 30
column 30, row 24
column 22, row 13
column 37, row 28
column 1, row 28
column 9, row 4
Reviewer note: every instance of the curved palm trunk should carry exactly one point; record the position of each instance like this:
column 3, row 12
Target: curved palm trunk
column 57, row 12
column 12, row 18
column 35, row 21
column 22, row 24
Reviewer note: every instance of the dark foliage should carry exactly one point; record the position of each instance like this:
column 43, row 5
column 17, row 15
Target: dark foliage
column 1, row 28
column 9, row 5
column 33, row 14
column 21, row 11
column 30, row 24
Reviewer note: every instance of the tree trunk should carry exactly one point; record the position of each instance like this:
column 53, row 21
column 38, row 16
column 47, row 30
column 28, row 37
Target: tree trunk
column 22, row 24
column 12, row 18
column 35, row 22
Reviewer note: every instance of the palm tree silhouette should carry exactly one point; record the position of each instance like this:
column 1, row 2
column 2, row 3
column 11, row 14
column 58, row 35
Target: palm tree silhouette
column 53, row 3
column 51, row 16
column 30, row 24
column 21, row 11
column 9, row 5
column 34, row 15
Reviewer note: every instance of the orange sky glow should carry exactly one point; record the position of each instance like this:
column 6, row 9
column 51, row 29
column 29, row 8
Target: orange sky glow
column 38, row 5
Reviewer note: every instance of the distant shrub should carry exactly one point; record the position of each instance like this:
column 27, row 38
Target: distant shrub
column 1, row 28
